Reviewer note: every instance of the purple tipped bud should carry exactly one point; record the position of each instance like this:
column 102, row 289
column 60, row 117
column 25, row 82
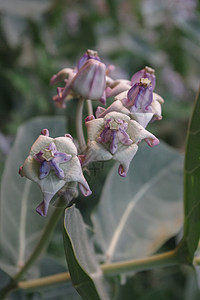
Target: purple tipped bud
column 90, row 81
column 45, row 132
column 148, row 73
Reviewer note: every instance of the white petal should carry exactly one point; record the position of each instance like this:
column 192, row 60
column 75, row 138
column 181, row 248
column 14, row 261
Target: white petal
column 96, row 152
column 156, row 107
column 116, row 106
column 142, row 118
column 41, row 143
column 125, row 155
column 138, row 133
column 117, row 115
column 122, row 95
column 94, row 128
column 66, row 145
column 158, row 98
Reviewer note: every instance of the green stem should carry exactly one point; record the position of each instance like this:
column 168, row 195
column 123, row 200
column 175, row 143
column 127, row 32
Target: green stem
column 42, row 243
column 155, row 261
column 79, row 125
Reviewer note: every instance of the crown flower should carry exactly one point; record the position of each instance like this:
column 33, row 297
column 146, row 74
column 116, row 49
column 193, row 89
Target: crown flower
column 51, row 164
column 116, row 137
column 139, row 102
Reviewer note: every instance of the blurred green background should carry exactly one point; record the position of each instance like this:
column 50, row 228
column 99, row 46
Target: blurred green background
column 40, row 37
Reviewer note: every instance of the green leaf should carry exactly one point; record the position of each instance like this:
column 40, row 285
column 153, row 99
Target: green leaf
column 21, row 226
column 137, row 214
column 192, row 186
column 85, row 273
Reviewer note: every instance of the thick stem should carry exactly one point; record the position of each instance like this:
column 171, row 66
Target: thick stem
column 148, row 263
column 42, row 243
column 79, row 125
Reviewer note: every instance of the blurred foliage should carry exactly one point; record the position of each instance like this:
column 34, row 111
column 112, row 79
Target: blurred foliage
column 38, row 38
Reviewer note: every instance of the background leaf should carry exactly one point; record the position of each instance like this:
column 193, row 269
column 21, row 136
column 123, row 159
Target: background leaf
column 192, row 186
column 85, row 272
column 20, row 225
column 137, row 214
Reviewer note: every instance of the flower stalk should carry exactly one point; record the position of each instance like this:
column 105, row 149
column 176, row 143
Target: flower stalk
column 169, row 258
column 79, row 125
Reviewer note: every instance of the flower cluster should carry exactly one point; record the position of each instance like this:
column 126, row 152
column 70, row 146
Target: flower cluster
column 113, row 133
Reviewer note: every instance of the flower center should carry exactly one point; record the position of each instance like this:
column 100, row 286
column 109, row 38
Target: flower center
column 48, row 154
column 145, row 82
column 114, row 133
column 114, row 125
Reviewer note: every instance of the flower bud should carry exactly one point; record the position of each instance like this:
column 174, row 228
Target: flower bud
column 90, row 80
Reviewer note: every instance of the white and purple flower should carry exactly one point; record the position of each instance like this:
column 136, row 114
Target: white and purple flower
column 116, row 137
column 139, row 102
column 51, row 164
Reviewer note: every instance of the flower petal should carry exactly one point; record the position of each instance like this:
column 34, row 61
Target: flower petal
column 61, row 157
column 58, row 171
column 42, row 142
column 138, row 133
column 44, row 169
column 124, row 157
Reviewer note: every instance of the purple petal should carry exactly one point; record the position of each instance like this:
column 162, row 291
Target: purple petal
column 105, row 136
column 132, row 94
column 136, row 77
column 42, row 209
column 113, row 145
column 44, row 169
column 52, row 147
column 38, row 156
column 61, row 157
column 59, row 172
column 124, row 137
column 140, row 98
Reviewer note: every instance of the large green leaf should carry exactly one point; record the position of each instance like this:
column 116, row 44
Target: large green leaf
column 85, row 272
column 137, row 214
column 192, row 186
column 21, row 226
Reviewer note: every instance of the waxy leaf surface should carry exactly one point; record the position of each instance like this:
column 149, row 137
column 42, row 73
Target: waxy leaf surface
column 136, row 215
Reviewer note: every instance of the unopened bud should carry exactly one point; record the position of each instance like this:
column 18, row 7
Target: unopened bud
column 90, row 81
